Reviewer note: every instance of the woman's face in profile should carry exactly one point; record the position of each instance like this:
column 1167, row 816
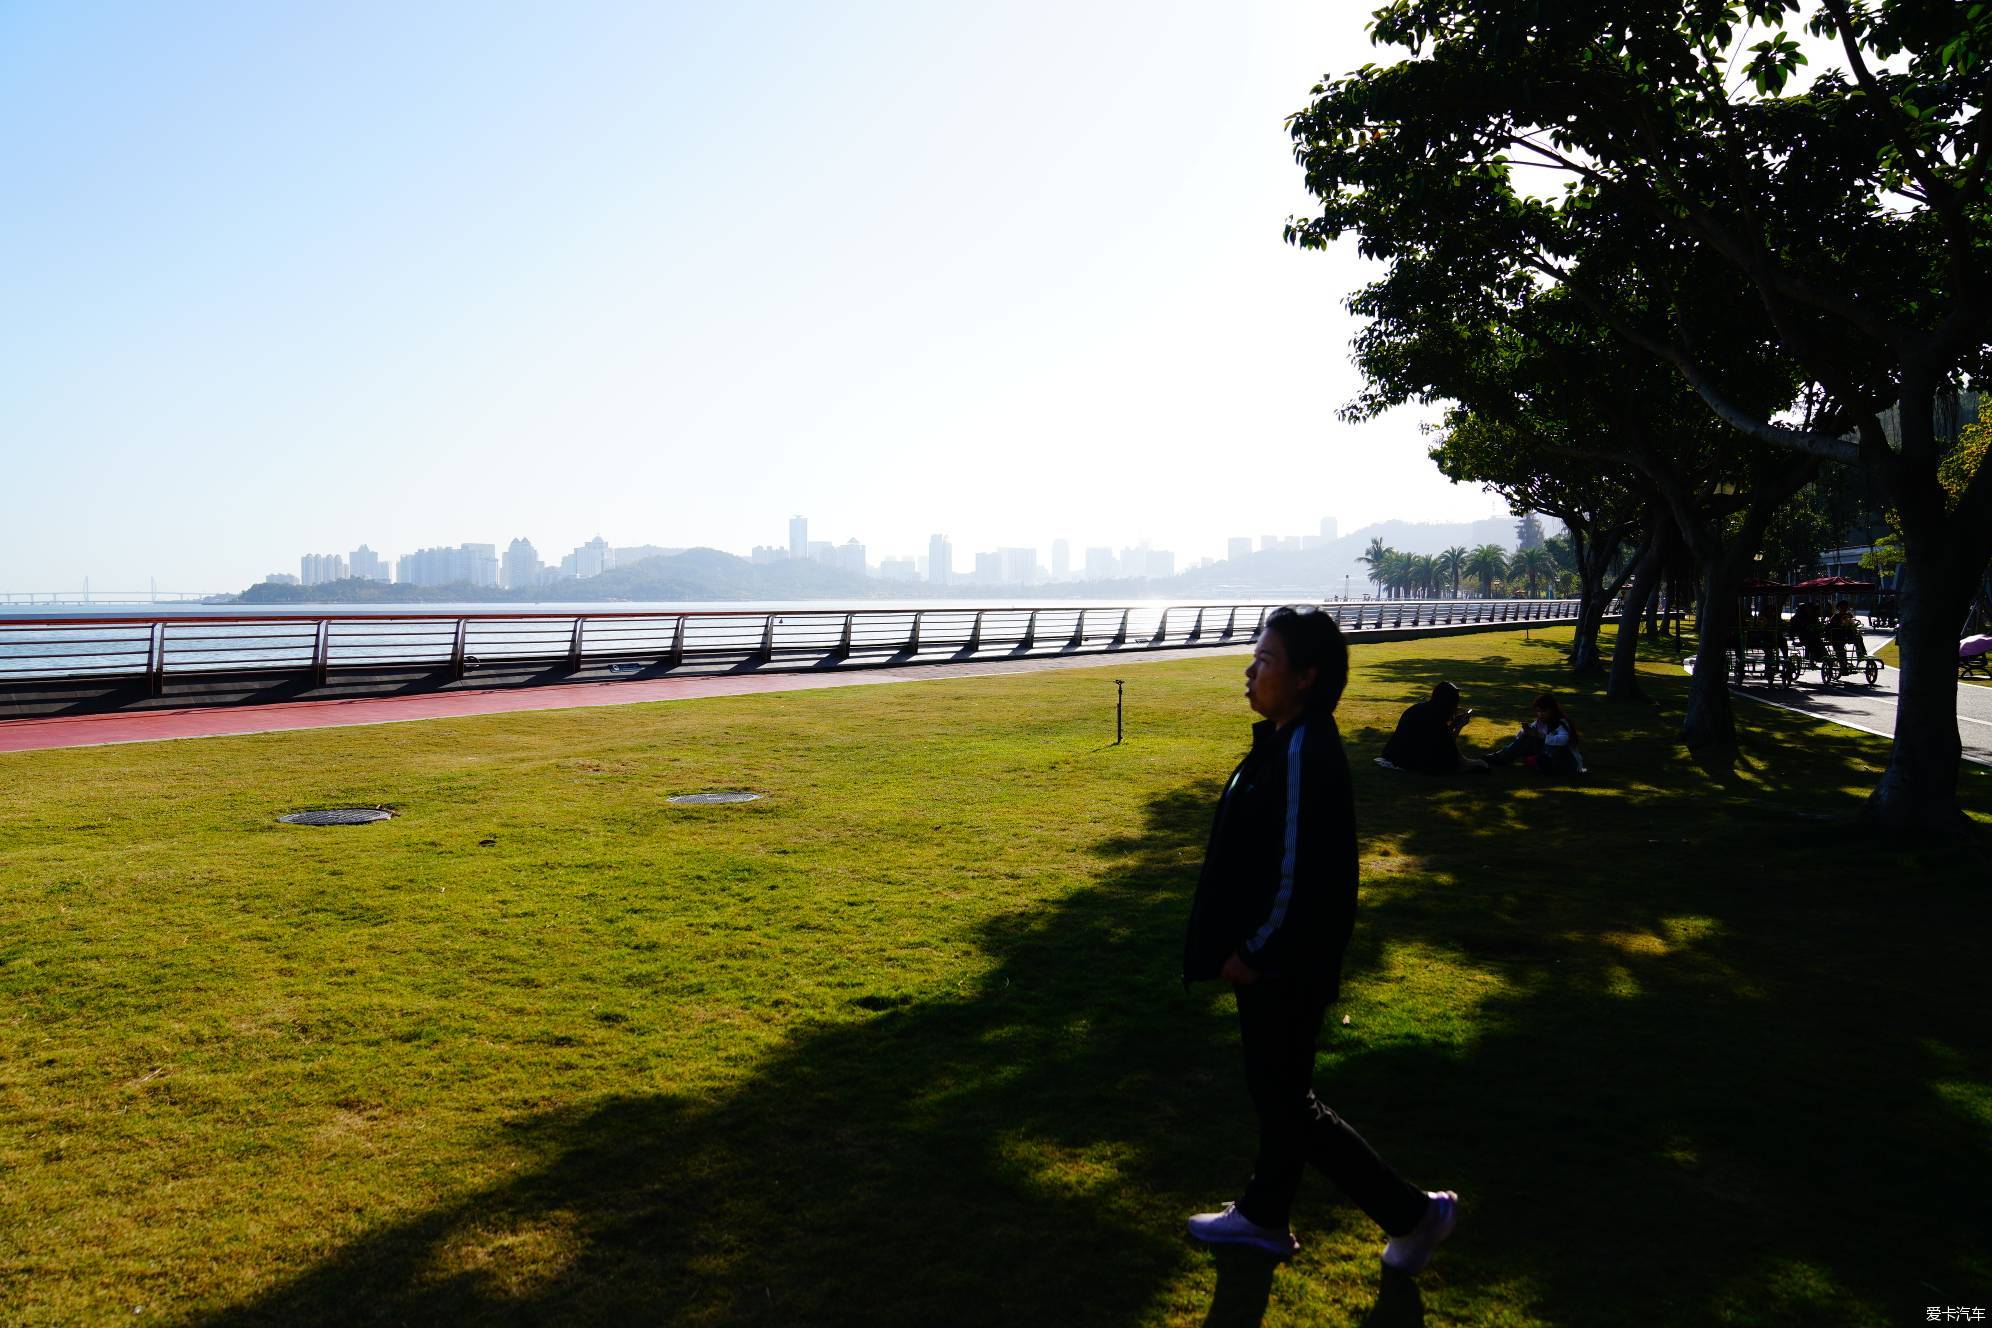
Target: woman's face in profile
column 1271, row 686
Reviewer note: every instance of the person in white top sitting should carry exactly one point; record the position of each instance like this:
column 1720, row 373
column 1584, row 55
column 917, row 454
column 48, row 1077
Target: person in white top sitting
column 1550, row 745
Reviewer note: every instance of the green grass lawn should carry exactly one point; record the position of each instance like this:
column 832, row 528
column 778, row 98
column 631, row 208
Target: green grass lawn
column 905, row 1042
column 1891, row 655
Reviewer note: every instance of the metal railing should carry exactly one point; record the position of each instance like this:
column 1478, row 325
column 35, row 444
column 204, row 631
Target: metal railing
column 156, row 647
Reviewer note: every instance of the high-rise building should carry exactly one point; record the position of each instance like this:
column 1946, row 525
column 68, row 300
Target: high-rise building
column 1100, row 564
column 818, row 550
column 315, row 569
column 1328, row 529
column 594, row 558
column 1237, row 547
column 1019, row 566
column 798, row 537
column 1311, row 542
column 847, row 557
column 368, row 565
column 1061, row 559
column 1269, row 543
column 988, row 569
column 1161, row 563
column 467, row 564
column 769, row 553
column 940, row 561
column 898, row 569
column 280, row 579
column 520, row 568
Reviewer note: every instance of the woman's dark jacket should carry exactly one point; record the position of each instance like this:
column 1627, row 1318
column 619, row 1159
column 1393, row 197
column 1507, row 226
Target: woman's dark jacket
column 1279, row 878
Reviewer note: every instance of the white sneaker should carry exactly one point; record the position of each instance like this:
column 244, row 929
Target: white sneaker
column 1410, row 1252
column 1228, row 1226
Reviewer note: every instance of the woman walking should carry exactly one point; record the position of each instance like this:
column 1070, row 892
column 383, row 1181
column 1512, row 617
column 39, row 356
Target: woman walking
column 1275, row 906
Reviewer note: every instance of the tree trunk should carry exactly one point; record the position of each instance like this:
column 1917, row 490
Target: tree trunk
column 1639, row 595
column 1918, row 791
column 1710, row 721
column 1944, row 554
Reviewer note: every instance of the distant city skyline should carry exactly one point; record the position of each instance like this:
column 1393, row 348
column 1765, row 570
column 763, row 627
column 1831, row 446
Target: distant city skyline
column 521, row 567
column 443, row 275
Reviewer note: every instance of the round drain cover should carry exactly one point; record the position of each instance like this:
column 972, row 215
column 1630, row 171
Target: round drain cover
column 337, row 816
column 708, row 799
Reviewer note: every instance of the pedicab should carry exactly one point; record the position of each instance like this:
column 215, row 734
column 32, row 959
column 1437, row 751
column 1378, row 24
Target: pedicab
column 1825, row 643
column 1760, row 630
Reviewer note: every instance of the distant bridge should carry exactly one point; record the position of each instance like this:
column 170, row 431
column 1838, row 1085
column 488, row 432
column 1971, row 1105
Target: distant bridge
column 108, row 598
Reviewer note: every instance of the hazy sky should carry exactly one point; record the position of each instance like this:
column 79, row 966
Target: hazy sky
column 286, row 278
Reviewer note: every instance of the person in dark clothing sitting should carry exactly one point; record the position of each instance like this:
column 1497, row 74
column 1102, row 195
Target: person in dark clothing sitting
column 1274, row 910
column 1427, row 736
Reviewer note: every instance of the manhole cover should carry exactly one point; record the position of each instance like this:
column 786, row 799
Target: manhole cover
column 708, row 799
column 337, row 816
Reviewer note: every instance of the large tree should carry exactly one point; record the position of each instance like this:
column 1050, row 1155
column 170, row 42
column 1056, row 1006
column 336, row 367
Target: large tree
column 1852, row 213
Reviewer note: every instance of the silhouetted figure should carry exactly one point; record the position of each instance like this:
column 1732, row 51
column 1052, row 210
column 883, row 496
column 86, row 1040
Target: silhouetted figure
column 1427, row 736
column 1275, row 907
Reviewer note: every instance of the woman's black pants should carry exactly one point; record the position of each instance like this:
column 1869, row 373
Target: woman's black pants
column 1280, row 1026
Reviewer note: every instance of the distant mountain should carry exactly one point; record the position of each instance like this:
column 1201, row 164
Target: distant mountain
column 1325, row 570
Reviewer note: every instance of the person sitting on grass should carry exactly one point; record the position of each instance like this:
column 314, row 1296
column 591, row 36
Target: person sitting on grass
column 1427, row 736
column 1274, row 910
column 1549, row 745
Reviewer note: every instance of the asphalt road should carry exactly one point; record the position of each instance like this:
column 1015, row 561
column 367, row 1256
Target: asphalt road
column 1855, row 704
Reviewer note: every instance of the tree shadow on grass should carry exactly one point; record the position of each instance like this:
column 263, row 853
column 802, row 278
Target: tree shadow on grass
column 960, row 1159
column 1729, row 1064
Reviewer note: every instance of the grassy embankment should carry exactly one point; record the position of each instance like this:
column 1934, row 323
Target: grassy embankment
column 903, row 1043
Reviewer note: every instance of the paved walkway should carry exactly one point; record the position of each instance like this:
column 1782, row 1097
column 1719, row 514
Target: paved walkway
column 23, row 735
column 1872, row 709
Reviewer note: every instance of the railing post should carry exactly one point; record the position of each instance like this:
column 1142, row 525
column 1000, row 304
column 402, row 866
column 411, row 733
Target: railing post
column 767, row 651
column 1078, row 632
column 1120, row 637
column 1231, row 623
column 155, row 661
column 844, row 644
column 1161, row 630
column 1260, row 624
column 677, row 655
column 1196, row 632
column 321, row 649
column 975, row 633
column 913, row 646
column 1398, row 621
column 1030, row 632
column 456, row 647
column 574, row 643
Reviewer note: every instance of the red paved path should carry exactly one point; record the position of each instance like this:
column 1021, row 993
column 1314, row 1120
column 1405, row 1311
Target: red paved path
column 24, row 735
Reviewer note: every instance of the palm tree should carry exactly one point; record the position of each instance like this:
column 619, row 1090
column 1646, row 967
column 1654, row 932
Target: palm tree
column 1486, row 562
column 1451, row 563
column 1534, row 564
column 1425, row 572
column 1374, row 557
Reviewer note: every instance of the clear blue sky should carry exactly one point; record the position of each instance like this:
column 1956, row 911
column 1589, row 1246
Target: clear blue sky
column 286, row 278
